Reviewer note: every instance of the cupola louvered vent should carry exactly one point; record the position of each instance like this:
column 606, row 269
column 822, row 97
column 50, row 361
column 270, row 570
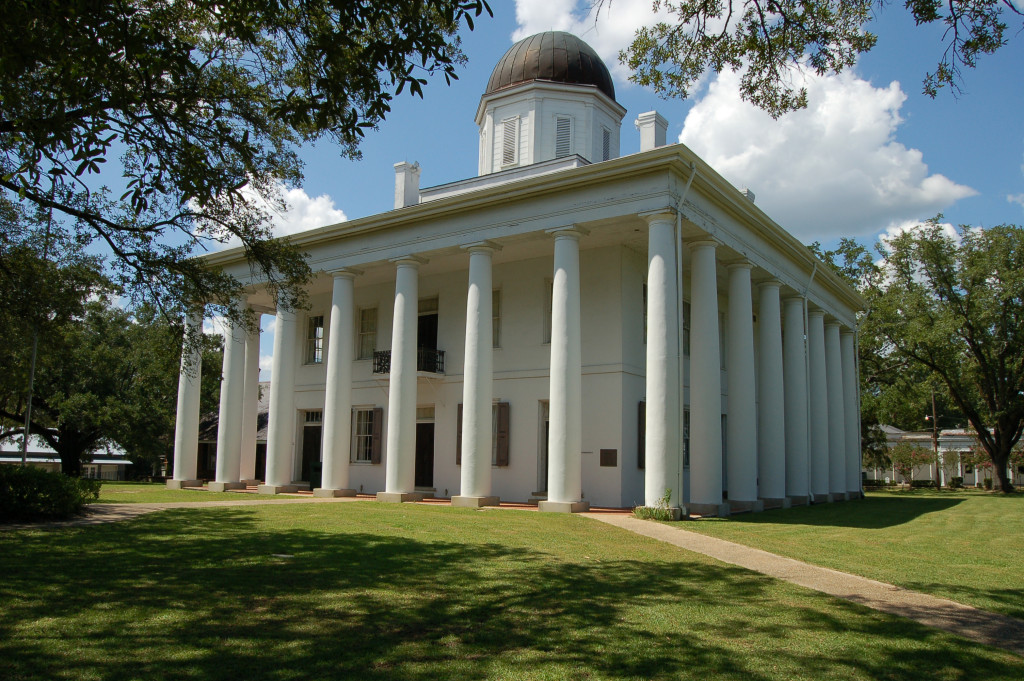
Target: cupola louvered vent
column 606, row 144
column 510, row 141
column 563, row 136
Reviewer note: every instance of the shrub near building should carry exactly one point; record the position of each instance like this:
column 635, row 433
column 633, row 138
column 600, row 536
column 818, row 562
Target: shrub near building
column 28, row 493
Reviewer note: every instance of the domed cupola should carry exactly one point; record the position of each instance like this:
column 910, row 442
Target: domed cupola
column 555, row 57
column 550, row 96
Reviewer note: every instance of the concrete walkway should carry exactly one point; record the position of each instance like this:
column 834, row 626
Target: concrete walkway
column 977, row 625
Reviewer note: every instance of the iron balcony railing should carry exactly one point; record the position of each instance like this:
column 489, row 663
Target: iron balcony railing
column 427, row 360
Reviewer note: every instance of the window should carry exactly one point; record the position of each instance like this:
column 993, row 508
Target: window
column 367, row 427
column 367, row 341
column 510, row 141
column 549, row 293
column 563, row 136
column 314, row 416
column 968, row 469
column 499, row 434
column 496, row 318
column 315, row 340
column 606, row 144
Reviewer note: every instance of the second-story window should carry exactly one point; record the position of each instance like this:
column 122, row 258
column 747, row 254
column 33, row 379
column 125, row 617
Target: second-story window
column 315, row 340
column 367, row 332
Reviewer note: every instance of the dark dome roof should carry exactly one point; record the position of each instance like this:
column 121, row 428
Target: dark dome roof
column 554, row 56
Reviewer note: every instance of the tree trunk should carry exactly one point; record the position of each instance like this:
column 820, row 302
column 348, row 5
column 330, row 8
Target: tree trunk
column 999, row 463
column 71, row 464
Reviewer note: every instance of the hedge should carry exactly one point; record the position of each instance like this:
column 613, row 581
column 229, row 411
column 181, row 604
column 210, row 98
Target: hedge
column 28, row 493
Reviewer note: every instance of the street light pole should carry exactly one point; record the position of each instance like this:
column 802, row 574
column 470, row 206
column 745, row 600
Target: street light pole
column 935, row 444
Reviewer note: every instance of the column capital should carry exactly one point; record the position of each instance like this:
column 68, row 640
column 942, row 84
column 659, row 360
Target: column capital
column 740, row 265
column 769, row 283
column 485, row 246
column 658, row 215
column 703, row 242
column 410, row 260
column 832, row 322
column 345, row 272
column 791, row 297
column 569, row 231
column 846, row 331
column 815, row 312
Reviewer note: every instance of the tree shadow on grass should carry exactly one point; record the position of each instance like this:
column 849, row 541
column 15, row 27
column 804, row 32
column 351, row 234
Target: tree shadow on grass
column 869, row 513
column 216, row 594
column 1006, row 601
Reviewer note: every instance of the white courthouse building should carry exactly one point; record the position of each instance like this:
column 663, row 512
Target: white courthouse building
column 571, row 327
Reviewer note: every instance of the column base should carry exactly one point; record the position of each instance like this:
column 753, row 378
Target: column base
column 182, row 484
column 839, row 496
column 277, row 489
column 331, row 493
column 224, row 486
column 563, row 506
column 475, row 502
column 712, row 510
column 770, row 504
column 799, row 500
column 821, row 499
column 855, row 494
column 252, row 483
column 398, row 497
column 736, row 506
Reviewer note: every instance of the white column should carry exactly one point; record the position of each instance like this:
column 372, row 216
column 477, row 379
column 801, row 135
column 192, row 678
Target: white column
column 337, row 442
column 741, row 425
column 400, row 470
column 186, row 424
column 477, row 383
column 662, row 434
column 565, row 429
column 281, row 425
column 818, row 396
column 771, row 397
column 851, row 414
column 250, row 403
column 836, row 413
column 794, row 365
column 705, row 385
column 229, row 423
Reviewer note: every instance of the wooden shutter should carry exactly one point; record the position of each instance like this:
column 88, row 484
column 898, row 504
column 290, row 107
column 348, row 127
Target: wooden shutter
column 502, row 434
column 458, row 437
column 378, row 431
column 641, row 435
column 606, row 144
column 563, row 137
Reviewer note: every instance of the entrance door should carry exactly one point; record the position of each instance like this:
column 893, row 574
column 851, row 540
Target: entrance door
column 424, row 454
column 311, row 440
column 261, row 461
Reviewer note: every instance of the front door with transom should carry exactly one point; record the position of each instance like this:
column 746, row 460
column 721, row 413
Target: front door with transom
column 424, row 447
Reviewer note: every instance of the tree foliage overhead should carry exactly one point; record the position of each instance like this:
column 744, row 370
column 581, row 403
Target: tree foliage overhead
column 955, row 307
column 204, row 104
column 771, row 41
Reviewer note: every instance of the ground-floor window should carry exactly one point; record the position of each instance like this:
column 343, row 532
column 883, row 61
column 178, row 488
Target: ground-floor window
column 367, row 425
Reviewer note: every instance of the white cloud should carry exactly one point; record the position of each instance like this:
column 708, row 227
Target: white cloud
column 303, row 212
column 898, row 228
column 608, row 27
column 215, row 325
column 833, row 169
column 265, row 363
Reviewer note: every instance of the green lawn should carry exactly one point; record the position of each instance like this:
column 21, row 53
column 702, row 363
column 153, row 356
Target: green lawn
column 381, row 591
column 967, row 546
column 154, row 492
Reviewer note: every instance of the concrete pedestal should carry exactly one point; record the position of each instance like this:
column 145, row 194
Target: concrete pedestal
column 252, row 483
column 737, row 506
column 277, row 489
column 840, row 496
column 798, row 500
column 563, row 506
column 182, row 484
column 475, row 502
column 822, row 499
column 770, row 504
column 676, row 513
column 225, row 486
column 399, row 497
column 714, row 510
column 331, row 493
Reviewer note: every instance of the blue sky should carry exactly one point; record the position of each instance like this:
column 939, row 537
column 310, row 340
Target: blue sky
column 870, row 155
